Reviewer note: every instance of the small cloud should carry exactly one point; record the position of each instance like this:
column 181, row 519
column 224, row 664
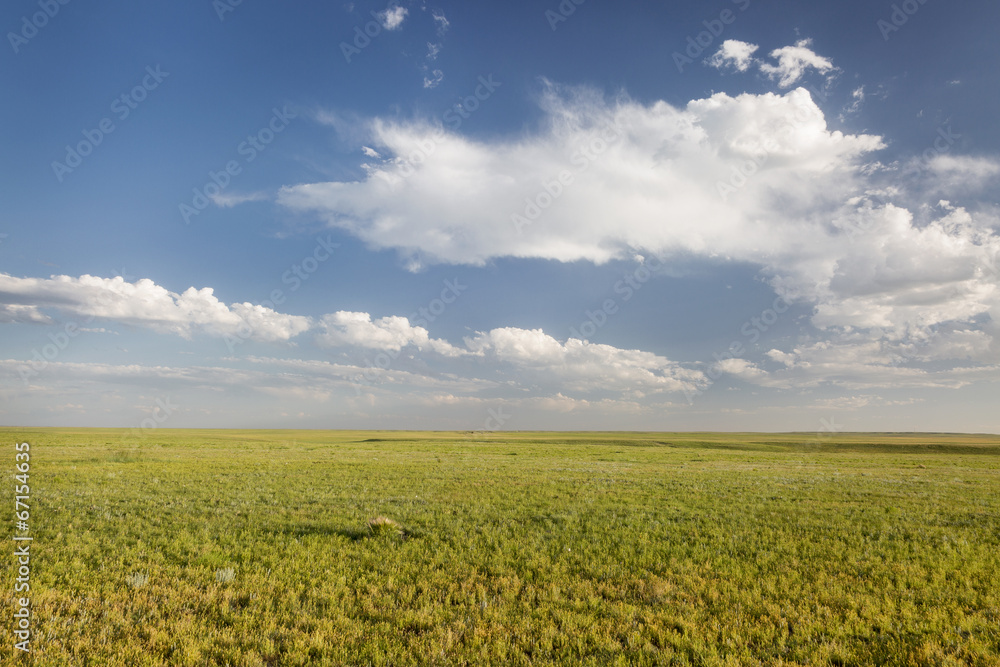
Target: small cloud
column 733, row 53
column 859, row 97
column 961, row 171
column 392, row 18
column 877, row 167
column 441, row 21
column 740, row 367
column 22, row 313
column 433, row 77
column 794, row 61
column 230, row 199
column 370, row 152
column 437, row 76
column 345, row 328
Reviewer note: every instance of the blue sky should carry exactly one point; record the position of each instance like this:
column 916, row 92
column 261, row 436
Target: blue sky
column 717, row 216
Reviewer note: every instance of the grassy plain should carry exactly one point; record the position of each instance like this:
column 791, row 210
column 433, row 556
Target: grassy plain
column 219, row 547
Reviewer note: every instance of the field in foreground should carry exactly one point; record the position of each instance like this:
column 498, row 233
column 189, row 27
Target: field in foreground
column 252, row 548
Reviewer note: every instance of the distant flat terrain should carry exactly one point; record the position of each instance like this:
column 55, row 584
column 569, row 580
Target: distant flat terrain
column 244, row 547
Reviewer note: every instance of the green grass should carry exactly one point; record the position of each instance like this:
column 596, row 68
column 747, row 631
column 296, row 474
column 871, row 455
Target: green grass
column 255, row 548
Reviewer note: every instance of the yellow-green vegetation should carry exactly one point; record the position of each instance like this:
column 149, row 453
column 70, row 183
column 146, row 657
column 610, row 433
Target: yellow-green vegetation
column 360, row 548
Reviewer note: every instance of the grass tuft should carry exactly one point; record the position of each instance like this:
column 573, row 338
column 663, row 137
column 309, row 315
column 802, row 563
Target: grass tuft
column 383, row 526
column 225, row 575
column 137, row 580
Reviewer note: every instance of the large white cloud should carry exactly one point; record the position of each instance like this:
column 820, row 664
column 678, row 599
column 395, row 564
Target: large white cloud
column 601, row 180
column 752, row 178
column 889, row 273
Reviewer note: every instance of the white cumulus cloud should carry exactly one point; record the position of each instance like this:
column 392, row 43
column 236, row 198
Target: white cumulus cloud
column 392, row 17
column 794, row 61
column 581, row 365
column 144, row 304
column 345, row 328
column 565, row 193
column 734, row 53
column 751, row 178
